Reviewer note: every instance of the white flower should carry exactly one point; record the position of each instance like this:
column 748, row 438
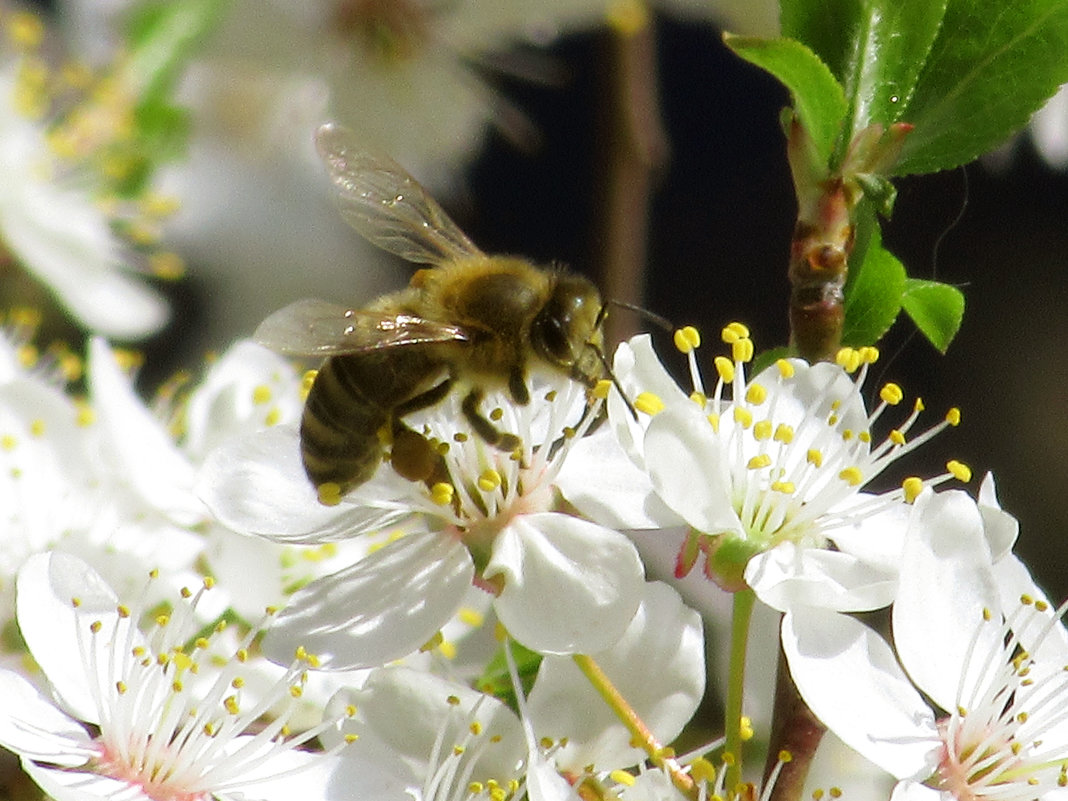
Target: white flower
column 769, row 482
column 560, row 584
column 456, row 742
column 164, row 708
column 994, row 671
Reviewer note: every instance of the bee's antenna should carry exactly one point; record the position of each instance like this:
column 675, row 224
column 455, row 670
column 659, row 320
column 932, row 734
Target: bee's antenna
column 652, row 316
column 615, row 381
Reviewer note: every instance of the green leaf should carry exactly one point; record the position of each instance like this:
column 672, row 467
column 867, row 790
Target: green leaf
column 818, row 98
column 992, row 65
column 936, row 308
column 496, row 681
column 873, row 292
column 875, row 48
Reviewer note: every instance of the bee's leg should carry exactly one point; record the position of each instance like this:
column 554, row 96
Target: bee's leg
column 483, row 427
column 412, row 455
column 517, row 386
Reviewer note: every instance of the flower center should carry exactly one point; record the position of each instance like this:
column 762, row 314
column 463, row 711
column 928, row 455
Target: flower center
column 391, row 30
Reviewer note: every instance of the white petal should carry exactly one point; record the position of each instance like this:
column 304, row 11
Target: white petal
column 945, row 548
column 1014, row 581
column 788, row 576
column 421, row 700
column 228, row 401
column 1002, row 528
column 570, row 586
column 139, row 449
column 33, row 728
column 383, row 607
column 909, row 790
column 53, row 627
column 841, row 666
column 603, row 484
column 256, row 484
column 658, row 666
column 545, row 784
column 690, row 470
column 76, row 785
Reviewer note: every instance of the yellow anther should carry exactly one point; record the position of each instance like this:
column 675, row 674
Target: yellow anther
column 622, row 777
column 713, row 420
column 237, row 683
column 912, row 486
column 475, row 788
column 648, row 403
column 432, row 643
column 892, row 394
column 120, row 687
column 953, row 416
column 475, row 728
column 8, row 442
column 699, row 398
column 960, row 471
column 209, row 729
column 735, row 331
column 489, row 480
column 182, row 661
column 784, row 433
column 123, row 610
column 231, row 705
column 743, row 417
column 273, row 418
column 785, row 757
column 702, row 770
column 868, row 354
column 762, row 430
column 37, row 427
column 329, row 493
column 759, row 462
column 351, row 738
column 448, row 650
column 786, row 368
column 85, row 416
column 185, row 592
column 725, row 369
column 296, row 691
column 472, row 617
column 162, row 620
column 742, row 350
column 847, row 434
column 687, row 339
column 814, row 457
column 852, row 476
column 241, row 655
column 756, row 394
column 897, row 437
column 745, row 728
column 27, row 355
column 848, row 359
column 918, row 406
column 176, row 686
column 785, row 487
column 601, row 389
column 261, row 394
column 25, row 30
column 441, row 493
column 496, row 414
column 167, row 265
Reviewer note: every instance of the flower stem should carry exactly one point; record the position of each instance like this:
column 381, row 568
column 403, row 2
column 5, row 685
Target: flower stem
column 640, row 734
column 741, row 616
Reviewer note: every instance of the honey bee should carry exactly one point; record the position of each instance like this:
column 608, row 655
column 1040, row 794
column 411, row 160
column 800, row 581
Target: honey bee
column 470, row 322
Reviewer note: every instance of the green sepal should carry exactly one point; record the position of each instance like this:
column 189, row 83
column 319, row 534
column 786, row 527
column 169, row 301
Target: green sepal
column 496, row 681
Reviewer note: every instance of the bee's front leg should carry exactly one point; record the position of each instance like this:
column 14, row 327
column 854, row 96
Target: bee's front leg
column 483, row 427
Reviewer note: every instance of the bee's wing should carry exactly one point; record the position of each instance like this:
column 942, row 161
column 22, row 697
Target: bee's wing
column 383, row 202
column 318, row 328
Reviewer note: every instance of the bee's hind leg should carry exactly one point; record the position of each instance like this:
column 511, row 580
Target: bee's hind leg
column 412, row 455
column 483, row 427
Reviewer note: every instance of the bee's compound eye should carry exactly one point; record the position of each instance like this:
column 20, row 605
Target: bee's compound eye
column 550, row 338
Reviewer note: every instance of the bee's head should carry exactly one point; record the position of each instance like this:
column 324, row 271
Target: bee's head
column 568, row 325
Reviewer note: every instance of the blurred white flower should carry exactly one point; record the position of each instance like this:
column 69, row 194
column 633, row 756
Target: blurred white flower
column 158, row 714
column 458, row 742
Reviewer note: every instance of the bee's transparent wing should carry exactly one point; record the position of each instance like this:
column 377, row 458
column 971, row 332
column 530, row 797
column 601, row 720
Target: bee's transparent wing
column 318, row 328
column 388, row 206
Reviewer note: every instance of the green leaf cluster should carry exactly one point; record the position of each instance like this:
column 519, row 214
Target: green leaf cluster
column 963, row 75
